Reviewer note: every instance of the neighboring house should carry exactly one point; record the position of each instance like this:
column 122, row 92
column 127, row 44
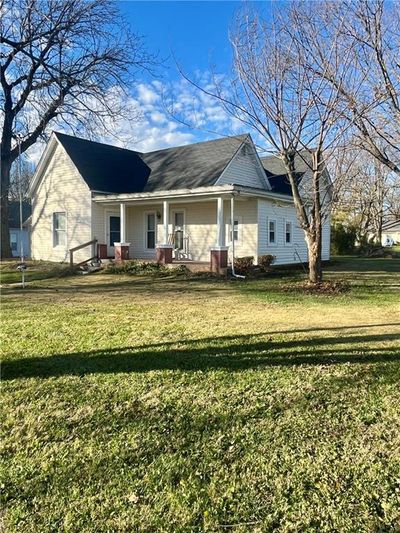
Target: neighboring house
column 16, row 235
column 172, row 204
column 391, row 233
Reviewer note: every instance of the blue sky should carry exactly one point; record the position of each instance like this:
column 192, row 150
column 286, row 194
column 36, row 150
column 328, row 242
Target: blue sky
column 196, row 32
column 197, row 35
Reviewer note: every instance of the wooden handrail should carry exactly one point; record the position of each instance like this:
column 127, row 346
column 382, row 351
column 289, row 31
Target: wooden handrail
column 72, row 250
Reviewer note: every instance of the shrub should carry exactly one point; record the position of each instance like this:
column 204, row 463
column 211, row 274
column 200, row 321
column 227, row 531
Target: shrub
column 243, row 265
column 136, row 267
column 265, row 261
column 343, row 239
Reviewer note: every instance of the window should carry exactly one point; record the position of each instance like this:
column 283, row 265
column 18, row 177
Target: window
column 115, row 229
column 272, row 231
column 150, row 231
column 288, row 232
column 235, row 231
column 59, row 229
column 14, row 241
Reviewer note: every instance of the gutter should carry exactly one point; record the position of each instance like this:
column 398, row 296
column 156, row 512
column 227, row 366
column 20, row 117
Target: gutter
column 238, row 276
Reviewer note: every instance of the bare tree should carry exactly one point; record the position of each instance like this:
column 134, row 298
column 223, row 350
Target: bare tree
column 368, row 193
column 369, row 32
column 298, row 114
column 63, row 62
column 20, row 179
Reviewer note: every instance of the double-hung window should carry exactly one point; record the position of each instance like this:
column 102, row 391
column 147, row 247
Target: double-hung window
column 150, row 236
column 59, row 229
column 271, row 231
column 288, row 232
column 236, row 228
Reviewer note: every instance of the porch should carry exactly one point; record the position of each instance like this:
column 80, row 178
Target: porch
column 196, row 232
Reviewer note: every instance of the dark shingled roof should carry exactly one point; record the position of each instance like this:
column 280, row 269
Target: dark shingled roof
column 190, row 166
column 110, row 169
column 106, row 168
column 277, row 175
column 13, row 213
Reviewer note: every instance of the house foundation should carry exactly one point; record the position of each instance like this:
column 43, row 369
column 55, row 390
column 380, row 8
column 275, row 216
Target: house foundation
column 121, row 251
column 164, row 254
column 219, row 259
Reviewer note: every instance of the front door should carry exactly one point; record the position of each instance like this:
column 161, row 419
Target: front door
column 179, row 229
column 113, row 233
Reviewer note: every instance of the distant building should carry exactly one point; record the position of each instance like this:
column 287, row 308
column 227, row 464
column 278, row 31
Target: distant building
column 16, row 235
column 391, row 233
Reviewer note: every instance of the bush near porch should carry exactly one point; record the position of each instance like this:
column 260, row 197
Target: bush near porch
column 157, row 404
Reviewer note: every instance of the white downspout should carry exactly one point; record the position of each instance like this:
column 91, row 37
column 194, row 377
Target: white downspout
column 233, row 240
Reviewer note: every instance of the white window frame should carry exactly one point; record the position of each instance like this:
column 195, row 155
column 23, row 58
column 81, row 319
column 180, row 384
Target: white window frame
column 228, row 239
column 274, row 243
column 65, row 231
column 288, row 221
column 16, row 241
column 146, row 213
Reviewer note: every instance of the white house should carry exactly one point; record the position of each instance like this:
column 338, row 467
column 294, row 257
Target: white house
column 391, row 233
column 169, row 205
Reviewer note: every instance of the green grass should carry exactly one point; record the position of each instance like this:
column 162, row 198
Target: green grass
column 145, row 404
column 9, row 274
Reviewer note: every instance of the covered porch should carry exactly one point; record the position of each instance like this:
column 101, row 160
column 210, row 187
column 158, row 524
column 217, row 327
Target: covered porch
column 193, row 229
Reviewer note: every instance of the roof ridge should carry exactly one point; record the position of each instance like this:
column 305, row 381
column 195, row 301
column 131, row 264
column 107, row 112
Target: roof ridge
column 223, row 138
column 62, row 134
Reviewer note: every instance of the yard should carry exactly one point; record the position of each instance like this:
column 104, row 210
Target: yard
column 146, row 404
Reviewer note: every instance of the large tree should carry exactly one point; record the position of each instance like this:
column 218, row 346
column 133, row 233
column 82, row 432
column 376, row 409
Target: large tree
column 367, row 193
column 298, row 115
column 61, row 62
column 367, row 31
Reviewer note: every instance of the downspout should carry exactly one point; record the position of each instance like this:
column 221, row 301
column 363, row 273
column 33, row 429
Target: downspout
column 233, row 240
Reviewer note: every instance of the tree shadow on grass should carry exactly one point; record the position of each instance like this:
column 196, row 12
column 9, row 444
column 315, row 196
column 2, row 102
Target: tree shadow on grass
column 233, row 353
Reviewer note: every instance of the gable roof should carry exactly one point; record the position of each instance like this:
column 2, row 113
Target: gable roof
column 106, row 168
column 277, row 175
column 392, row 225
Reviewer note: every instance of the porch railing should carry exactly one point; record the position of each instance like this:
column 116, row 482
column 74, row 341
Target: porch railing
column 91, row 243
column 180, row 244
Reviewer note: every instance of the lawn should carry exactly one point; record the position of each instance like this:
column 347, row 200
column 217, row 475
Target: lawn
column 189, row 405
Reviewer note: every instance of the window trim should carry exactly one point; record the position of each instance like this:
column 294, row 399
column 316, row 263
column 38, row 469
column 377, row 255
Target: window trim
column 14, row 233
column 288, row 221
column 228, row 230
column 145, row 214
column 275, row 243
column 65, row 230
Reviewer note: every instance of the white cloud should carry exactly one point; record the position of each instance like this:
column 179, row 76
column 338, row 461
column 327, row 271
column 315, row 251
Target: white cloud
column 157, row 106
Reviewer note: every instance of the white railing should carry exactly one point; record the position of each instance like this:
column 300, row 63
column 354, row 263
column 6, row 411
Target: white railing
column 181, row 249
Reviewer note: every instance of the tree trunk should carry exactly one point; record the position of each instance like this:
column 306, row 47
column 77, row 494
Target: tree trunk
column 314, row 245
column 5, row 171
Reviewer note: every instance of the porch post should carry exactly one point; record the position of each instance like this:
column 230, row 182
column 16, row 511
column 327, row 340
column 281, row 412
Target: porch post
column 166, row 220
column 219, row 253
column 122, row 248
column 122, row 208
column 220, row 222
column 164, row 251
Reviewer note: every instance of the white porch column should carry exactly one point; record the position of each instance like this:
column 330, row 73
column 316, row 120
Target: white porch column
column 166, row 220
column 122, row 208
column 220, row 222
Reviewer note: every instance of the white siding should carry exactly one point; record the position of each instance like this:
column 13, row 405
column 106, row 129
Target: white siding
column 200, row 227
column 60, row 190
column 284, row 253
column 243, row 170
column 326, row 240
